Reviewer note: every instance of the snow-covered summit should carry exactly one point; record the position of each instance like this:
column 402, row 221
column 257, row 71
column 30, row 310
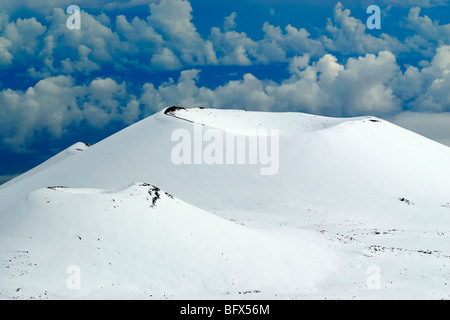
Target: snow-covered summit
column 349, row 193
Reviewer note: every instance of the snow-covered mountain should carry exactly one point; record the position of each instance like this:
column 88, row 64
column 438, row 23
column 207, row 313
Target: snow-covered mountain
column 357, row 208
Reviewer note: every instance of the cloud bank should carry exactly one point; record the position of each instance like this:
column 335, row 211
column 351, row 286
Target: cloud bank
column 344, row 71
column 370, row 84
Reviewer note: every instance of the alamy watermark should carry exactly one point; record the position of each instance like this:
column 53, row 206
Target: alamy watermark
column 374, row 280
column 74, row 20
column 231, row 147
column 374, row 21
column 73, row 281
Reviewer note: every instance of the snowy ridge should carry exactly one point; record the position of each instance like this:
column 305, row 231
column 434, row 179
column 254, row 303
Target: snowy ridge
column 292, row 122
column 72, row 150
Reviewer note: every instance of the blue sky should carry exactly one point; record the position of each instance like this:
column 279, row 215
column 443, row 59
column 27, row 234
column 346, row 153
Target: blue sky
column 131, row 58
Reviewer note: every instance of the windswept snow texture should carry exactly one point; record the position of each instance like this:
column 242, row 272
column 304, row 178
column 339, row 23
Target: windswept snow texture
column 359, row 209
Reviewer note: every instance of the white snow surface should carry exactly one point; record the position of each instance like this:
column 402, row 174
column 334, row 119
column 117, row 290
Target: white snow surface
column 351, row 195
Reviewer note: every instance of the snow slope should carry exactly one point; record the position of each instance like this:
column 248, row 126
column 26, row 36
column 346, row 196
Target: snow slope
column 350, row 194
column 142, row 242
